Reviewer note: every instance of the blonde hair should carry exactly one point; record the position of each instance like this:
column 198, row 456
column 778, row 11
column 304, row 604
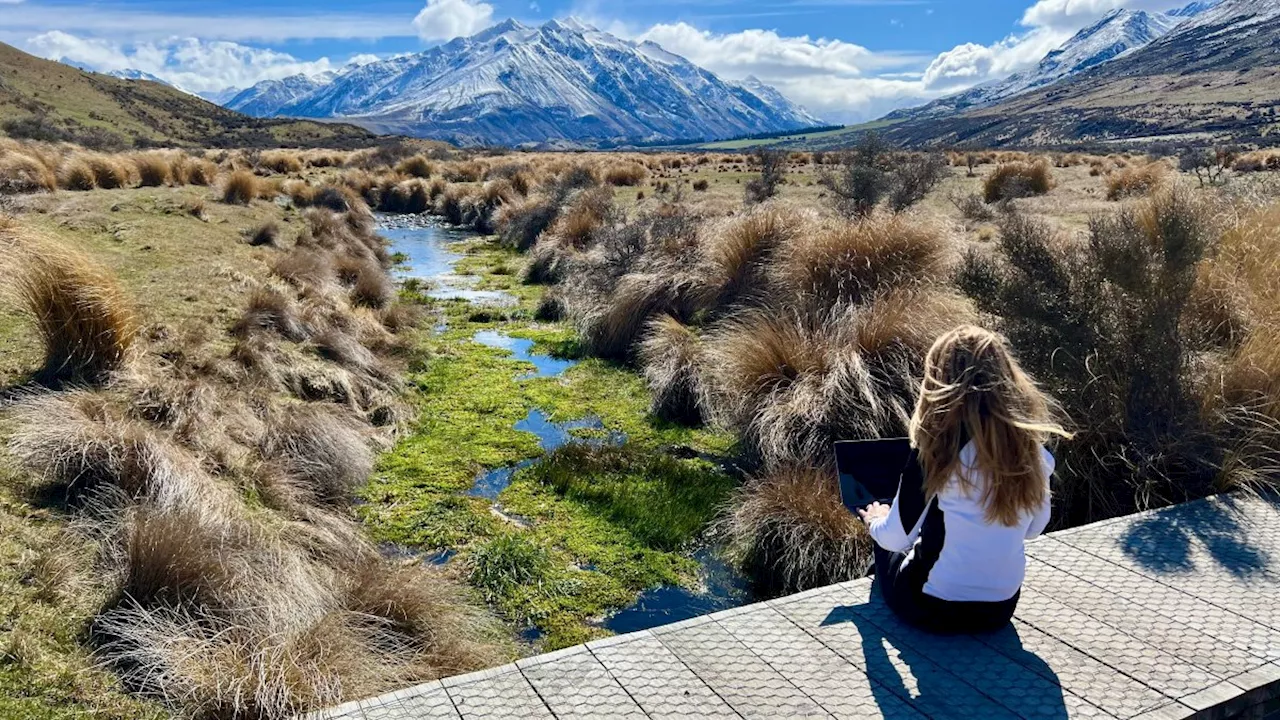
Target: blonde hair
column 974, row 390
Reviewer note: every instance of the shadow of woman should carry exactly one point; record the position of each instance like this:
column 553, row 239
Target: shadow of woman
column 1026, row 686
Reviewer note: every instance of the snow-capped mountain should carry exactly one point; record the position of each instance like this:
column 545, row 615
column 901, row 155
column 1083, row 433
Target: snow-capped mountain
column 131, row 74
column 268, row 96
column 513, row 84
column 1118, row 33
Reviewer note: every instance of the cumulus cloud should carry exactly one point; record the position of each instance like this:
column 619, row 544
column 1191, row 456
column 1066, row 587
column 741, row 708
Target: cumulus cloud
column 448, row 19
column 190, row 63
column 1072, row 15
column 970, row 64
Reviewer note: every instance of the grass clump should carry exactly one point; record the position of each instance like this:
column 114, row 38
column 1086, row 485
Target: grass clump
column 85, row 323
column 1017, row 179
column 1136, row 180
column 789, row 530
column 241, row 188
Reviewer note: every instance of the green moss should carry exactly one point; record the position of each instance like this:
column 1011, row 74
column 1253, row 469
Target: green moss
column 601, row 526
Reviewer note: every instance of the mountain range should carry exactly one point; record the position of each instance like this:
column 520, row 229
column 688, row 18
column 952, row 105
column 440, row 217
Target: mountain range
column 1215, row 72
column 512, row 84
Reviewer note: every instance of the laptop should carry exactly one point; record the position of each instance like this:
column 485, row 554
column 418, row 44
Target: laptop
column 870, row 470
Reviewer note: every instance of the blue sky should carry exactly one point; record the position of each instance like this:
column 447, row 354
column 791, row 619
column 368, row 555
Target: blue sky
column 847, row 60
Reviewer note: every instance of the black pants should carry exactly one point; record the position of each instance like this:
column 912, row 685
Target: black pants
column 903, row 591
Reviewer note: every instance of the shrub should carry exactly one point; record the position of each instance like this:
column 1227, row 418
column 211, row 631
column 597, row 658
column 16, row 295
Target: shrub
column 850, row 262
column 241, row 188
column 789, row 530
column 972, row 207
column 698, row 186
column 153, row 169
column 1018, row 179
column 85, row 322
column 1101, row 324
column 669, row 355
column 773, row 170
column 75, row 174
column 914, row 176
column 1136, row 181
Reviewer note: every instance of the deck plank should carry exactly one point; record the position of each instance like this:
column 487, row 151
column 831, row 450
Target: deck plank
column 1167, row 614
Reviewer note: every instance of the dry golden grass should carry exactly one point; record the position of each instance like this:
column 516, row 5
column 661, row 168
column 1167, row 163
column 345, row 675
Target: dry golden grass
column 738, row 251
column 109, row 171
column 852, row 261
column 1016, row 178
column 85, row 323
column 1136, row 180
column 23, row 173
column 241, row 188
column 153, row 169
column 669, row 356
column 789, row 529
column 76, row 174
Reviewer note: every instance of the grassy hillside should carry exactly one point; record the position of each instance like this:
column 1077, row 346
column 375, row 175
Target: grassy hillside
column 52, row 101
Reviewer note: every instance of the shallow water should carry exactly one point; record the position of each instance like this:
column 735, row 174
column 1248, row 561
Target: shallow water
column 522, row 349
column 425, row 242
column 722, row 588
column 551, row 436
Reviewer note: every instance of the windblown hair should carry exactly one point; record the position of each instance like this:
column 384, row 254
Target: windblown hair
column 974, row 390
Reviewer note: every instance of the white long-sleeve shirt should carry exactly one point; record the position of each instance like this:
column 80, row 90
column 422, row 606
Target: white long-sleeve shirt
column 978, row 561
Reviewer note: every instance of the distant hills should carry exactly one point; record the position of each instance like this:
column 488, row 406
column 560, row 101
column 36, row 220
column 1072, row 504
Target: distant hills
column 1216, row 73
column 561, row 82
column 52, row 101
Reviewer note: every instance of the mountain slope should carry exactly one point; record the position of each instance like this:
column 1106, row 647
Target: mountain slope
column 567, row 81
column 1216, row 73
column 268, row 96
column 50, row 100
column 1119, row 32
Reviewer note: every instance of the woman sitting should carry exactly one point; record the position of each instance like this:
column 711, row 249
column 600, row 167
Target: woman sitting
column 949, row 551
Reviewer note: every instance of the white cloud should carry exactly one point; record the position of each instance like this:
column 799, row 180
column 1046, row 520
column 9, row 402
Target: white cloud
column 970, row 64
column 448, row 19
column 1071, row 15
column 190, row 63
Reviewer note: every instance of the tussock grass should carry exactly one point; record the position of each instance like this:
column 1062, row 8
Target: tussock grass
column 85, row 323
column 267, row 234
column 241, row 188
column 738, row 253
column 850, row 262
column 109, row 172
column 789, row 529
column 626, row 175
column 322, row 452
column 1136, row 181
column 76, row 174
column 790, row 384
column 22, row 173
column 153, row 169
column 669, row 356
column 1017, row 178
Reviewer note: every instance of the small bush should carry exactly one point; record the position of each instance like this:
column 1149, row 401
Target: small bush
column 773, row 169
column 241, row 188
column 1018, row 179
column 700, row 186
column 972, row 207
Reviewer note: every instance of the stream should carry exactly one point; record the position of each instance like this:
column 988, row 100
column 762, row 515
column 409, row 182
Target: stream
column 425, row 242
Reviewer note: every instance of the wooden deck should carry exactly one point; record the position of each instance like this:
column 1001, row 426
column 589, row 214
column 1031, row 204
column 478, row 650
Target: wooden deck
column 1167, row 614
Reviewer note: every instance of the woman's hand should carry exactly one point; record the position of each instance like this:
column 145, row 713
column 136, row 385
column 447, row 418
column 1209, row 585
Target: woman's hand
column 873, row 512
